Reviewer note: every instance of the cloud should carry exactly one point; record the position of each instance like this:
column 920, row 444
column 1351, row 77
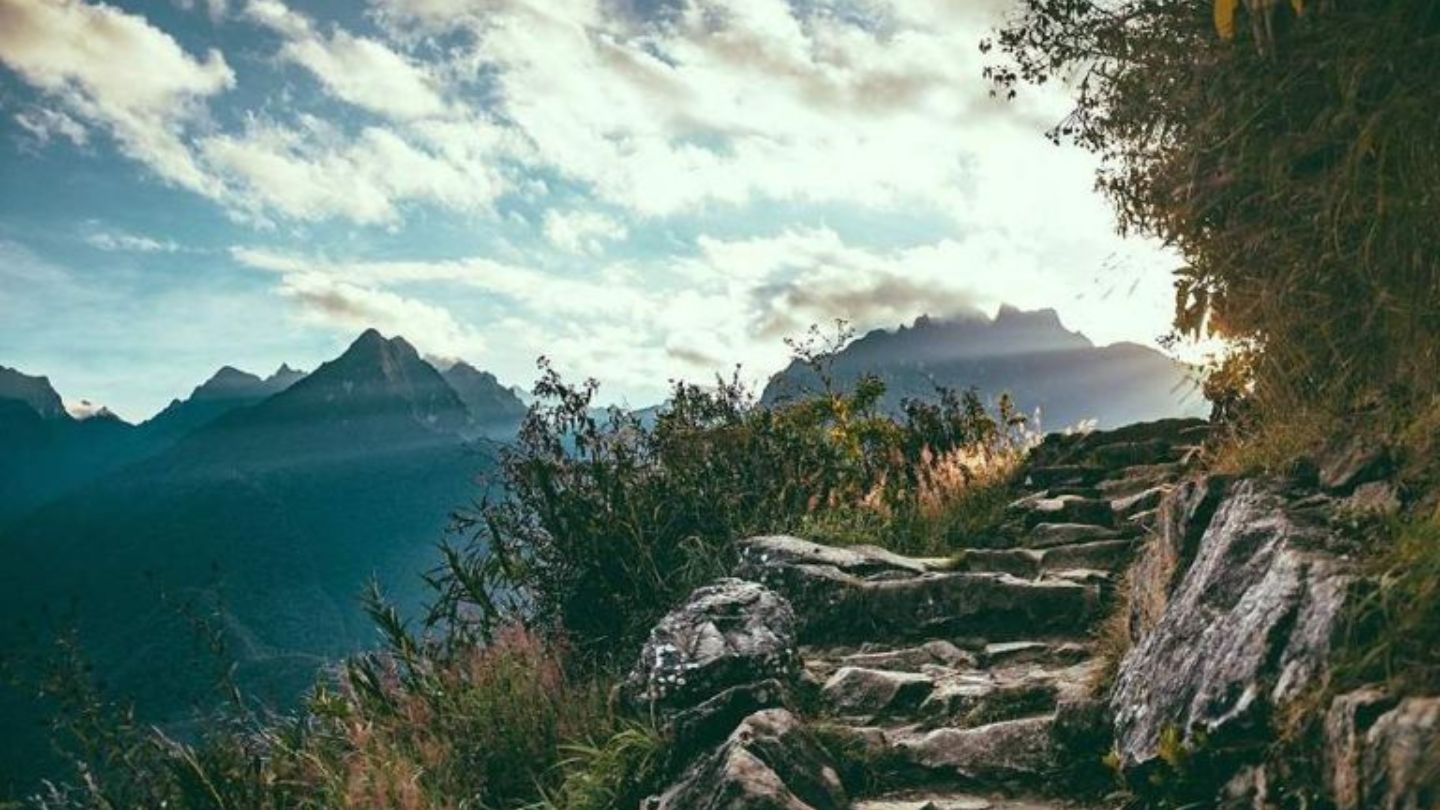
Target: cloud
column 121, row 241
column 115, row 70
column 45, row 124
column 357, row 70
column 582, row 232
column 332, row 302
column 726, row 300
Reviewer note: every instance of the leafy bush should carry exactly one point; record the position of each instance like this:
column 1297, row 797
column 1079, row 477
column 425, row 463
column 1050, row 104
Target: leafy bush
column 609, row 522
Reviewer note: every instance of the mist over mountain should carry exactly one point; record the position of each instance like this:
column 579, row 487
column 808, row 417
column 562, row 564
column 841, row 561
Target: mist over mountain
column 266, row 518
column 1031, row 355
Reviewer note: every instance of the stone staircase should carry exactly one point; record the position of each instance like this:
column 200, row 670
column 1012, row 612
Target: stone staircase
column 963, row 683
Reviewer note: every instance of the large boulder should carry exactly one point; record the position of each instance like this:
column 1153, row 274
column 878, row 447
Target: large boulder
column 1247, row 628
column 726, row 652
column 1382, row 753
column 769, row 762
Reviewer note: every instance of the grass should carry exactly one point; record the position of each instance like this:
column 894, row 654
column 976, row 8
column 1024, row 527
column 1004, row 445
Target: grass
column 959, row 499
column 1393, row 632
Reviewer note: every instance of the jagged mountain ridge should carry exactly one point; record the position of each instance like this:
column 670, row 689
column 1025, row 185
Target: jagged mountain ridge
column 1031, row 355
column 227, row 389
column 271, row 517
column 496, row 409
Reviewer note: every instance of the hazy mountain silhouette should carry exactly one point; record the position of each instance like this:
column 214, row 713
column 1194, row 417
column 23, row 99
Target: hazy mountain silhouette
column 496, row 410
column 44, row 451
column 269, row 518
column 1029, row 354
column 227, row 389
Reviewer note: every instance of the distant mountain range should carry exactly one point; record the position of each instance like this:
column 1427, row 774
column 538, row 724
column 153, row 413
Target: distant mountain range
column 1047, row 369
column 264, row 504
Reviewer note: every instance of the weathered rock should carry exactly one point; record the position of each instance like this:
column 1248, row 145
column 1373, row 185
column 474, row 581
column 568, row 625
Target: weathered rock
column 950, row 800
column 1351, row 459
column 860, row 692
column 975, row 699
column 1246, row 630
column 936, row 652
column 1383, row 754
column 1102, row 555
column 1079, row 448
column 726, row 634
column 1070, row 509
column 860, row 561
column 1129, row 453
column 706, row 723
column 770, row 762
column 1131, row 505
column 1166, row 555
column 1083, row 475
column 1373, row 498
column 1008, row 753
column 834, row 605
column 1048, row 535
column 1019, row 562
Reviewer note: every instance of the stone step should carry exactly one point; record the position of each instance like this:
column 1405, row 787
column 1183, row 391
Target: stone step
column 1014, row 754
column 1047, row 535
column 856, row 594
column 950, row 800
column 1017, row 680
column 1030, row 563
column 1063, row 509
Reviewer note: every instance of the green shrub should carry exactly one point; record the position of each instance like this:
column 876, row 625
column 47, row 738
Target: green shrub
column 609, row 522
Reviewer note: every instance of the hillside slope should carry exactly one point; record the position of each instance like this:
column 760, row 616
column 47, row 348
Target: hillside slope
column 269, row 520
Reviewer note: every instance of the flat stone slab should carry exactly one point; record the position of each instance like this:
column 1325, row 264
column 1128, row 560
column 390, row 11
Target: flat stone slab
column 859, row 561
column 1009, row 753
column 946, row 800
column 1101, row 555
column 1070, row 509
column 860, row 692
column 1049, row 535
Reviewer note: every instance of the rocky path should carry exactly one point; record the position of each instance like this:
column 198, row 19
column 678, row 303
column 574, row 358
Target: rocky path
column 929, row 684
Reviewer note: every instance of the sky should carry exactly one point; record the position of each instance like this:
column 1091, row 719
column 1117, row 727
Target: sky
column 641, row 190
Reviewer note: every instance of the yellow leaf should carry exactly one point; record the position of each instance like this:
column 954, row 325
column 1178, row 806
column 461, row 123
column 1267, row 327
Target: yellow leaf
column 1299, row 6
column 1225, row 17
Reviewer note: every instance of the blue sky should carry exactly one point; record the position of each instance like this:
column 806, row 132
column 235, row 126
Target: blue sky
column 640, row 189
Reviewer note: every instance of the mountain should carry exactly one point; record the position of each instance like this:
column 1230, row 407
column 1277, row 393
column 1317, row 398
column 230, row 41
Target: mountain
column 1031, row 355
column 269, row 519
column 44, row 451
column 33, row 392
column 496, row 410
column 227, row 389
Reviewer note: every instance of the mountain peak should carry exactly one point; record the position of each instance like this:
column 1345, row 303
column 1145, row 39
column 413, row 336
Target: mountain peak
column 36, row 392
column 226, row 383
column 283, row 378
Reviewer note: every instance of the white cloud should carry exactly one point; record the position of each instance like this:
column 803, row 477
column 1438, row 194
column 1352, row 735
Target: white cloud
column 121, row 241
column 115, row 69
column 581, row 232
column 45, row 124
column 332, row 302
column 357, row 70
